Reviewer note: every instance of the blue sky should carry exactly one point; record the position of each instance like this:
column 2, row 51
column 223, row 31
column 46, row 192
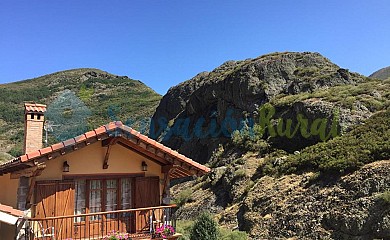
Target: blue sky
column 163, row 43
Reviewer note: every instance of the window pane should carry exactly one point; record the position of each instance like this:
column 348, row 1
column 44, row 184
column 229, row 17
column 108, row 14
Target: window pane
column 111, row 183
column 79, row 199
column 96, row 184
column 111, row 197
column 95, row 198
column 126, row 193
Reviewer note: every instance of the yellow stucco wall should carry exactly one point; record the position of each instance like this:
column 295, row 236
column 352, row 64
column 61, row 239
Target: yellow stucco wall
column 89, row 160
column 8, row 190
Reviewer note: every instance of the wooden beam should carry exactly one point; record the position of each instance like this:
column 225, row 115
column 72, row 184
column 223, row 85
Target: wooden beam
column 109, row 142
column 166, row 191
column 36, row 173
column 160, row 153
column 106, row 157
column 175, row 175
column 152, row 149
column 143, row 145
column 183, row 172
column 136, row 148
column 166, row 168
column 28, row 172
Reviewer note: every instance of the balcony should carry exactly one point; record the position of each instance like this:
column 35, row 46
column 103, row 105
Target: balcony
column 140, row 223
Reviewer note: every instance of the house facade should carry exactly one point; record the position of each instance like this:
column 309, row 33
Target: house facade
column 110, row 179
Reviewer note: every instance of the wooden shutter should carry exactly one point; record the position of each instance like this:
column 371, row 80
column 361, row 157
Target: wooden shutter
column 45, row 199
column 147, row 192
column 65, row 207
column 55, row 198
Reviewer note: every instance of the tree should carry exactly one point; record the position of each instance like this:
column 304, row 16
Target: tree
column 205, row 228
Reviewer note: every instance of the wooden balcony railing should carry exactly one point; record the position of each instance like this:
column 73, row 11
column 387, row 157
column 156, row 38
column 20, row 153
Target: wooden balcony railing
column 139, row 223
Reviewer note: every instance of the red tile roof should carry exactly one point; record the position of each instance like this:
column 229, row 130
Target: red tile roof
column 34, row 107
column 112, row 129
column 11, row 210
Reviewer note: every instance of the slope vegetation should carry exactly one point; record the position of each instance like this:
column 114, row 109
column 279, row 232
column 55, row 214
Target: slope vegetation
column 101, row 96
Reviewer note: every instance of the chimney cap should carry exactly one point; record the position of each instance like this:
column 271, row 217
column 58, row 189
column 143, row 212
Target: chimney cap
column 34, row 107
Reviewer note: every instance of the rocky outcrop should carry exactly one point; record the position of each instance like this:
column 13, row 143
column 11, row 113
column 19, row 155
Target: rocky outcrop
column 175, row 101
column 295, row 206
column 235, row 90
column 349, row 208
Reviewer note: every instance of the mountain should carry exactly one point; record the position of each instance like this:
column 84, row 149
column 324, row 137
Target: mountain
column 237, row 89
column 265, row 179
column 101, row 96
column 383, row 73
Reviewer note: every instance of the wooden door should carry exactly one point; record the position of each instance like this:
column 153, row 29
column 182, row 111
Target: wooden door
column 147, row 194
column 55, row 198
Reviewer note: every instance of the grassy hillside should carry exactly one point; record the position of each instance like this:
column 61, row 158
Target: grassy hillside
column 364, row 144
column 105, row 96
column 374, row 94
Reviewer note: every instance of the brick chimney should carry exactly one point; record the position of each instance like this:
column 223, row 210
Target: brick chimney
column 33, row 126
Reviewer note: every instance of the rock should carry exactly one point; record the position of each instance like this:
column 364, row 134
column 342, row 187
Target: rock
column 346, row 209
column 237, row 89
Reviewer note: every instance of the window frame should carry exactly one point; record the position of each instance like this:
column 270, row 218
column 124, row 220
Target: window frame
column 103, row 178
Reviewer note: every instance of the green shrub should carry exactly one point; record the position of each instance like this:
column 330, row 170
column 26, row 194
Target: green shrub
column 184, row 227
column 240, row 173
column 249, row 186
column 16, row 151
column 226, row 234
column 204, row 227
column 250, row 139
column 385, row 196
column 5, row 157
column 183, row 197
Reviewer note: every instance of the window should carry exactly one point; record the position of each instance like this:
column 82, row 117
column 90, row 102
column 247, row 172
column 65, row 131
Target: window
column 80, row 205
column 111, row 197
column 95, row 197
column 126, row 193
column 101, row 195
